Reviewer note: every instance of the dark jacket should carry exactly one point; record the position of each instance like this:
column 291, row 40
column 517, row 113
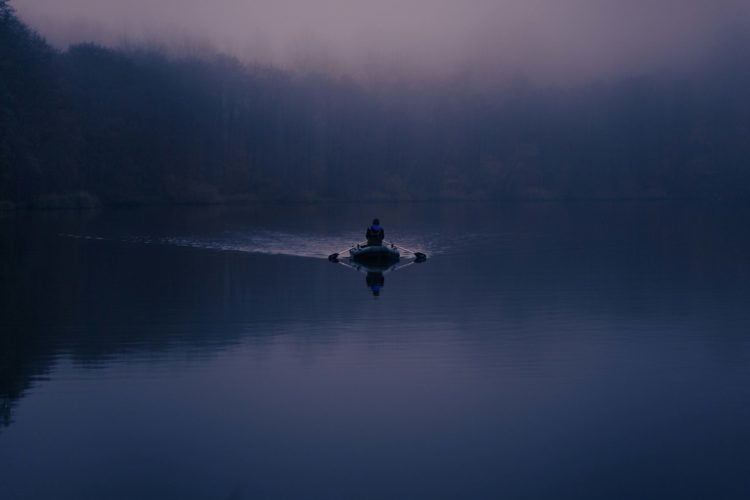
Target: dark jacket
column 375, row 235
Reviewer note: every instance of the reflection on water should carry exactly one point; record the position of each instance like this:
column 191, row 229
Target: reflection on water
column 375, row 273
column 375, row 281
column 592, row 350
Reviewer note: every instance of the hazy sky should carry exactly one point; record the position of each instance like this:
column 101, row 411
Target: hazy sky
column 560, row 40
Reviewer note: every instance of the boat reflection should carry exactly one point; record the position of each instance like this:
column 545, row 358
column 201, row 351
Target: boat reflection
column 375, row 273
column 375, row 281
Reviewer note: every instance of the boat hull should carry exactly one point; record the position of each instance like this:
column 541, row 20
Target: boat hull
column 375, row 254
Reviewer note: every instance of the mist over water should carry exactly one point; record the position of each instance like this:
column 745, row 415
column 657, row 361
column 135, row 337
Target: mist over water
column 569, row 41
column 575, row 171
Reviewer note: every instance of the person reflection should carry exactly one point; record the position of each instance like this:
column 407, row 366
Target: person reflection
column 375, row 281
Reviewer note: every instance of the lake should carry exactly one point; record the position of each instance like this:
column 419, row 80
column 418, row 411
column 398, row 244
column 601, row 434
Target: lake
column 544, row 350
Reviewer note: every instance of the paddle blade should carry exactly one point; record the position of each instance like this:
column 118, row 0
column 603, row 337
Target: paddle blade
column 333, row 257
column 420, row 257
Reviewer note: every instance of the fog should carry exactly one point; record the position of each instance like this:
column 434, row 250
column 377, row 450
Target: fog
column 653, row 102
column 567, row 41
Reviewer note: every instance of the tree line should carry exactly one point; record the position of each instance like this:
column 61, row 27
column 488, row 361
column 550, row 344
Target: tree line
column 95, row 125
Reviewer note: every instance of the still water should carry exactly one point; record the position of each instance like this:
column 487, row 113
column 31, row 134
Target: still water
column 544, row 350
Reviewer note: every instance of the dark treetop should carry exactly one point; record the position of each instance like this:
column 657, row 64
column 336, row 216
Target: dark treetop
column 135, row 126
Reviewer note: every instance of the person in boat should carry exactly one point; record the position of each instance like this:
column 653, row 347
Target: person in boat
column 375, row 233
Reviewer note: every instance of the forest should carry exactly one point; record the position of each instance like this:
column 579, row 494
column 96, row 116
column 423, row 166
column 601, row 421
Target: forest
column 91, row 125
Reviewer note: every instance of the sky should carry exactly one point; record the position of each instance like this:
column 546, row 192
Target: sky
column 560, row 41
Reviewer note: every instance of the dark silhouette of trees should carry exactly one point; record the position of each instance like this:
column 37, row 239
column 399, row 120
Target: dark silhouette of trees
column 135, row 126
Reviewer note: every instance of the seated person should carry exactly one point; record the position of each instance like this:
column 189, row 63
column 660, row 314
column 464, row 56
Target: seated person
column 375, row 233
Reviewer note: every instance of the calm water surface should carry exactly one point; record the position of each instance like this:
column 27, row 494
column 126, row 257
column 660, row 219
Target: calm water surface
column 592, row 350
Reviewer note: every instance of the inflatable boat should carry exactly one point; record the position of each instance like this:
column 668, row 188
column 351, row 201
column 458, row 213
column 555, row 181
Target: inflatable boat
column 380, row 254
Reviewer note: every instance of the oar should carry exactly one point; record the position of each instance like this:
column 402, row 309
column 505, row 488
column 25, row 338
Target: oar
column 334, row 256
column 419, row 256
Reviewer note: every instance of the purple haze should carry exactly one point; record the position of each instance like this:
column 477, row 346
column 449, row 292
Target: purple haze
column 559, row 41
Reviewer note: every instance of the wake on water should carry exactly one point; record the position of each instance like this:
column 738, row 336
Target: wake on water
column 268, row 242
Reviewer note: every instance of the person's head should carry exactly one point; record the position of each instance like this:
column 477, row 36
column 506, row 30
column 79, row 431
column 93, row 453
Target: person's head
column 375, row 222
